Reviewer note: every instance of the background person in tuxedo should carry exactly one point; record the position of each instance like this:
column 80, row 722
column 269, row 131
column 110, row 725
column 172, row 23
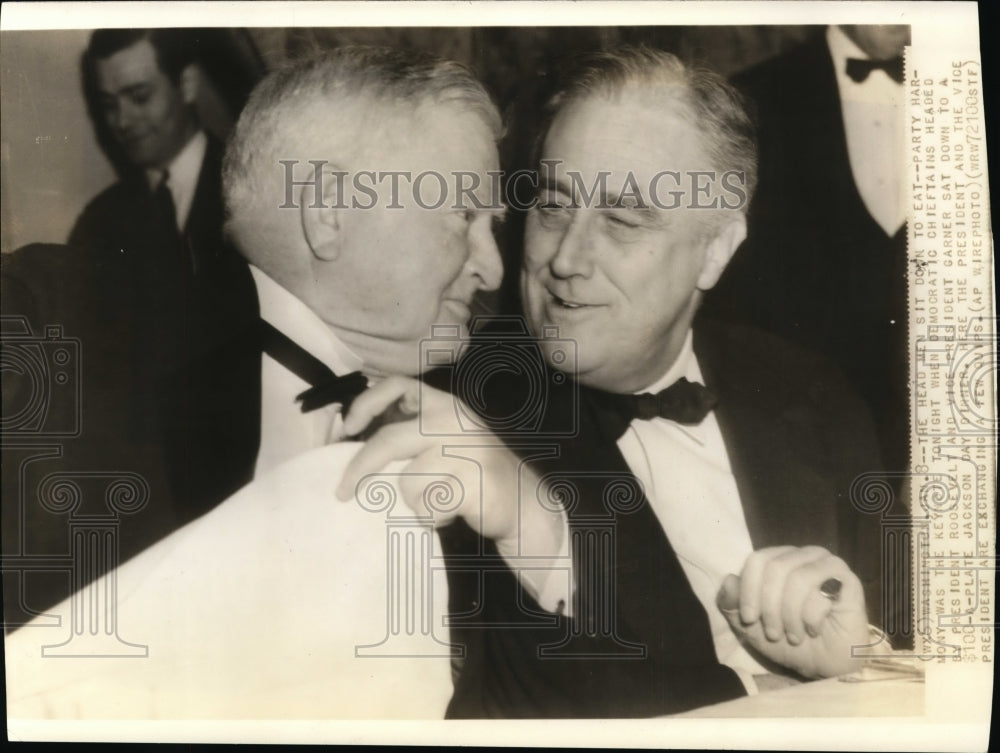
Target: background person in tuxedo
column 824, row 264
column 742, row 516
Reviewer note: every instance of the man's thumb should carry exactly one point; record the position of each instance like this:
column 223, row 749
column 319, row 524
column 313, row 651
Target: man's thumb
column 728, row 601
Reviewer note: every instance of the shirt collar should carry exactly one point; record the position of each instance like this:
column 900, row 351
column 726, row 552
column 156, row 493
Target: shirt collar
column 184, row 167
column 296, row 320
column 685, row 365
column 843, row 47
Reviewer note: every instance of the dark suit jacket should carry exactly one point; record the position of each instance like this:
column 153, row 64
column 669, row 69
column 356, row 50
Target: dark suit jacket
column 796, row 440
column 122, row 217
column 135, row 329
column 816, row 268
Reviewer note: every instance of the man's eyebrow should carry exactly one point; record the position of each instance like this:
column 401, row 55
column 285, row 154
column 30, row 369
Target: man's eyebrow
column 128, row 90
column 644, row 211
column 557, row 184
column 630, row 201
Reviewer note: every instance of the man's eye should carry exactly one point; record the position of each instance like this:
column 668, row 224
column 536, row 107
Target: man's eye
column 553, row 200
column 619, row 221
column 140, row 96
column 553, row 215
column 553, row 206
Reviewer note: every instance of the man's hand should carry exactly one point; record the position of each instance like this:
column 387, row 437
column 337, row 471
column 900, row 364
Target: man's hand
column 500, row 495
column 776, row 607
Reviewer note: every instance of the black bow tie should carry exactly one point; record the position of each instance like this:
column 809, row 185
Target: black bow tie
column 336, row 389
column 326, row 387
column 683, row 402
column 859, row 69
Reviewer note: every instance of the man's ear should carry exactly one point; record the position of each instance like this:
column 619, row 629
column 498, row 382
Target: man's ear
column 721, row 249
column 189, row 81
column 321, row 213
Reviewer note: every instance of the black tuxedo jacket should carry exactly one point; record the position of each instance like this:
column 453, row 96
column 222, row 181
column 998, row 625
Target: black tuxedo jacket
column 816, row 268
column 123, row 218
column 796, row 439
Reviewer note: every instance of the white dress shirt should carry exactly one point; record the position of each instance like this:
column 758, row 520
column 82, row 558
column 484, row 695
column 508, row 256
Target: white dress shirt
column 873, row 123
column 690, row 486
column 280, row 603
column 183, row 171
column 285, row 431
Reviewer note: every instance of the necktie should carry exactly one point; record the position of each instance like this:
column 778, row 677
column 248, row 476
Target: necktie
column 178, row 246
column 326, row 387
column 859, row 69
column 166, row 210
column 683, row 402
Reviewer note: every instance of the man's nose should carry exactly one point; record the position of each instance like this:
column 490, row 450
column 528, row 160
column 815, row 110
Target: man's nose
column 123, row 115
column 572, row 256
column 485, row 262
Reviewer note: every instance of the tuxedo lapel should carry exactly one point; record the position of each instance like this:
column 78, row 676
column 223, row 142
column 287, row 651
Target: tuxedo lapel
column 772, row 441
column 212, row 405
column 203, row 230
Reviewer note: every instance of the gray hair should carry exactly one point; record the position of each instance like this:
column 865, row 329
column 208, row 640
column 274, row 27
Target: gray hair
column 713, row 106
column 276, row 112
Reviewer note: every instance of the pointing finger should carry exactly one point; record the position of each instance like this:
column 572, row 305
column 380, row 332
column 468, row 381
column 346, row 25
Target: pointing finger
column 399, row 441
column 375, row 400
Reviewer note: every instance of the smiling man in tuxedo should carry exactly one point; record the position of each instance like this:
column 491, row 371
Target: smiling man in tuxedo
column 747, row 460
column 738, row 562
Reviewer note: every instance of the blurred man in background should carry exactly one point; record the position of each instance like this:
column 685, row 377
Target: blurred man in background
column 141, row 87
column 824, row 264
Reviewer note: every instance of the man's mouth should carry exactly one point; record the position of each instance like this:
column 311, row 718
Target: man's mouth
column 460, row 308
column 568, row 303
column 134, row 139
